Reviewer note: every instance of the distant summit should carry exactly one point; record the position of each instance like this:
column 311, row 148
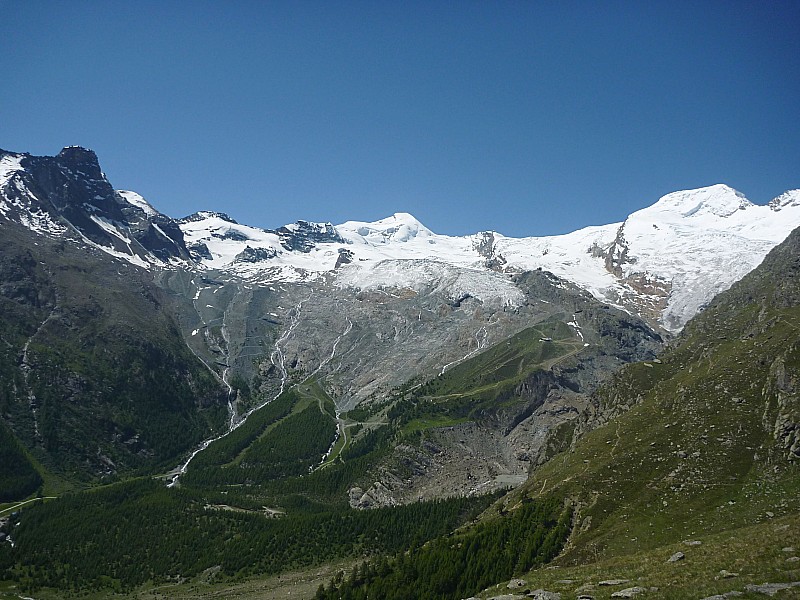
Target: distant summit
column 399, row 227
column 713, row 201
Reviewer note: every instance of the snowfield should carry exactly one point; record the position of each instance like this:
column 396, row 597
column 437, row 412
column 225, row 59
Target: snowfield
column 693, row 244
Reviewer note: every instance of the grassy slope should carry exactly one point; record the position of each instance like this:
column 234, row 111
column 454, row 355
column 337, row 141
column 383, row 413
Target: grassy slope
column 695, row 457
column 486, row 382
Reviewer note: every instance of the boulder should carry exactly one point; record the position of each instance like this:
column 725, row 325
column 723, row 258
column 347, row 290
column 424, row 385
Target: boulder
column 676, row 557
column 629, row 592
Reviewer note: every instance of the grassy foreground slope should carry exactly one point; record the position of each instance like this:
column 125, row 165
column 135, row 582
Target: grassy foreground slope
column 703, row 444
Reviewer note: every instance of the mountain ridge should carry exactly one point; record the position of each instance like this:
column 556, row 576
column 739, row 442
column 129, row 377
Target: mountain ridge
column 663, row 262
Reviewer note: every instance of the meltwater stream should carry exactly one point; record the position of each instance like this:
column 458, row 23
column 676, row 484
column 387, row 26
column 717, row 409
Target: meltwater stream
column 278, row 359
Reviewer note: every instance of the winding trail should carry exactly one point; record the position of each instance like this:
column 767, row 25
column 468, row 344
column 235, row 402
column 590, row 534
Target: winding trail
column 23, row 503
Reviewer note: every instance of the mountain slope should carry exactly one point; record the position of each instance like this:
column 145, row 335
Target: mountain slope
column 96, row 379
column 367, row 307
column 705, row 440
column 686, row 480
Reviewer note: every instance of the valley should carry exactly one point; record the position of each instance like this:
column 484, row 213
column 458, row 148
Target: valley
column 234, row 406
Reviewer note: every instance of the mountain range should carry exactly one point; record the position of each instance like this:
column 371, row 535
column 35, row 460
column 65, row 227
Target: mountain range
column 664, row 262
column 319, row 367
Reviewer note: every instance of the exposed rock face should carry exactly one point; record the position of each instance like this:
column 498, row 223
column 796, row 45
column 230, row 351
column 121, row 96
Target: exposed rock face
column 255, row 255
column 784, row 419
column 484, row 245
column 303, row 235
column 345, row 257
column 69, row 193
column 616, row 256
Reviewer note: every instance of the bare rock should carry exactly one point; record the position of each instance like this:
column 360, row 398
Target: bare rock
column 727, row 574
column 629, row 592
column 544, row 595
column 676, row 557
column 770, row 589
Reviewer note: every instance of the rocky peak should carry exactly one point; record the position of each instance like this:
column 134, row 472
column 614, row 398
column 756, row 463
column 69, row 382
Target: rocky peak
column 69, row 191
column 77, row 158
column 484, row 245
column 207, row 214
column 616, row 256
column 785, row 200
column 302, row 236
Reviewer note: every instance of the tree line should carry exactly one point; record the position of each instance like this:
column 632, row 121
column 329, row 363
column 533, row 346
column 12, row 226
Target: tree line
column 459, row 565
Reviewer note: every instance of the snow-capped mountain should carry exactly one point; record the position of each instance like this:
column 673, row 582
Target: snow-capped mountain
column 68, row 195
column 664, row 262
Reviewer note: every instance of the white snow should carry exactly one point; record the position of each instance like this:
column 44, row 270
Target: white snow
column 25, row 205
column 211, row 231
column 702, row 241
column 428, row 276
column 574, row 325
column 9, row 164
column 138, row 201
column 694, row 243
column 398, row 228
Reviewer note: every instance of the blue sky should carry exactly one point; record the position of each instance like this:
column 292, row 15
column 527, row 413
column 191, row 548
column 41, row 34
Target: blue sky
column 527, row 118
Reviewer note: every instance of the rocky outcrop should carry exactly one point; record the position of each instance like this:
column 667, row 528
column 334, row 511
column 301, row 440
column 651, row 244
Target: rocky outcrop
column 69, row 194
column 303, row 236
column 782, row 409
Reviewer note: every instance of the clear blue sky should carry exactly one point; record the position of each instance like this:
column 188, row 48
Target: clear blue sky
column 528, row 118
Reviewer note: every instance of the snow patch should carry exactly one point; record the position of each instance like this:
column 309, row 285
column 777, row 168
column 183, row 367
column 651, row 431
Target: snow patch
column 110, row 228
column 138, row 201
column 9, row 164
column 427, row 276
